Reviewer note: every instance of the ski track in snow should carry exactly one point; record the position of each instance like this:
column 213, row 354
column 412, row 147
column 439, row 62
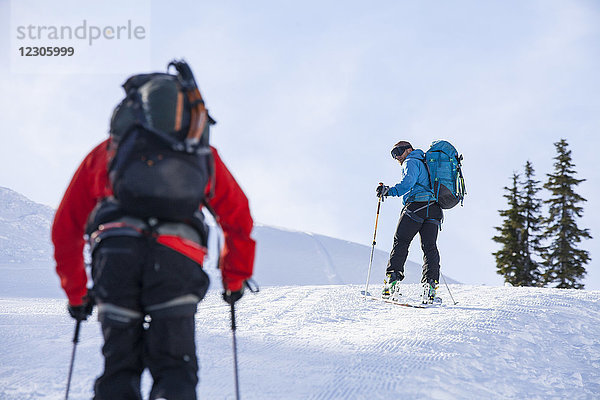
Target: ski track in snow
column 326, row 342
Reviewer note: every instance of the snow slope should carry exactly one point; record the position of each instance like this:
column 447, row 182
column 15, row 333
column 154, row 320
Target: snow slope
column 24, row 229
column 25, row 249
column 308, row 334
column 325, row 342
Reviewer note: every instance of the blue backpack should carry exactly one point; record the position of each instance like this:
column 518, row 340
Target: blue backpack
column 447, row 182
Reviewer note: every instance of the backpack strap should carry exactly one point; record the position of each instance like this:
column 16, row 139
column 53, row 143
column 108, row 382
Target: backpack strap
column 462, row 189
column 430, row 187
column 200, row 118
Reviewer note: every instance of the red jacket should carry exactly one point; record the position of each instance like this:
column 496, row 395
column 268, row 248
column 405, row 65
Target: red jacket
column 90, row 185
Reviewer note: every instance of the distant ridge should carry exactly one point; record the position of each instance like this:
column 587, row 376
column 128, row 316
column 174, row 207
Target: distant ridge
column 24, row 229
column 288, row 257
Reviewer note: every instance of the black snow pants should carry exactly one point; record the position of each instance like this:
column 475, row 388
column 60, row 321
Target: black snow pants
column 147, row 296
column 425, row 219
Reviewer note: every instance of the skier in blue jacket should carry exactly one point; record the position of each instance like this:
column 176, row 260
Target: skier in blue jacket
column 421, row 214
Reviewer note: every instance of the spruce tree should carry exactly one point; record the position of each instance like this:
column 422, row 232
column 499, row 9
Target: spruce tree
column 509, row 259
column 563, row 261
column 531, row 272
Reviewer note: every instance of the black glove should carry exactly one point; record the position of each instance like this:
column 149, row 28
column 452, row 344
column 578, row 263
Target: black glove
column 81, row 312
column 231, row 297
column 382, row 190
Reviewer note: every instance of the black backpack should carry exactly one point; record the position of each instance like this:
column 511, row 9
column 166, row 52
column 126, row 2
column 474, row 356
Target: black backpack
column 160, row 159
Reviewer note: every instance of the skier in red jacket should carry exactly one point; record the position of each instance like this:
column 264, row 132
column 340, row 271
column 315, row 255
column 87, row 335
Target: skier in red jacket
column 147, row 288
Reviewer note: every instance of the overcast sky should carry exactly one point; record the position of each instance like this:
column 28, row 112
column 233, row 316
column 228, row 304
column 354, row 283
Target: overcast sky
column 310, row 97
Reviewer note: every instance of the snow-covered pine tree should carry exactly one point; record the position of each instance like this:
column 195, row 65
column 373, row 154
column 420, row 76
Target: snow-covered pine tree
column 509, row 259
column 531, row 270
column 563, row 261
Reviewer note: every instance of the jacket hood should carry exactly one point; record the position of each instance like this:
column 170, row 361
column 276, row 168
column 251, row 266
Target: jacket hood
column 416, row 153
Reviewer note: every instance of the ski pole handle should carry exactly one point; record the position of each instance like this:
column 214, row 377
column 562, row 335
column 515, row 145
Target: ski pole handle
column 377, row 216
column 77, row 329
column 381, row 197
column 233, row 324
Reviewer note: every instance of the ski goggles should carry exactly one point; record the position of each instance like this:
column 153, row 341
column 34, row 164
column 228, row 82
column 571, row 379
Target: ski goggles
column 398, row 151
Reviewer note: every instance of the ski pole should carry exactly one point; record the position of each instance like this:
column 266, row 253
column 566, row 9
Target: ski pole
column 374, row 243
column 448, row 287
column 235, row 361
column 75, row 341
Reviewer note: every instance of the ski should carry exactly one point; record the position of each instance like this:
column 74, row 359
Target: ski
column 398, row 303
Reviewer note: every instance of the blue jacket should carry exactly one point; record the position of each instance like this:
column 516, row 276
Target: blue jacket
column 414, row 182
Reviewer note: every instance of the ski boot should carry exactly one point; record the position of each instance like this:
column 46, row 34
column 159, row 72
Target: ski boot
column 430, row 293
column 391, row 286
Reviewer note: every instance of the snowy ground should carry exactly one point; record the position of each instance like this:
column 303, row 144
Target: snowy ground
column 325, row 342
